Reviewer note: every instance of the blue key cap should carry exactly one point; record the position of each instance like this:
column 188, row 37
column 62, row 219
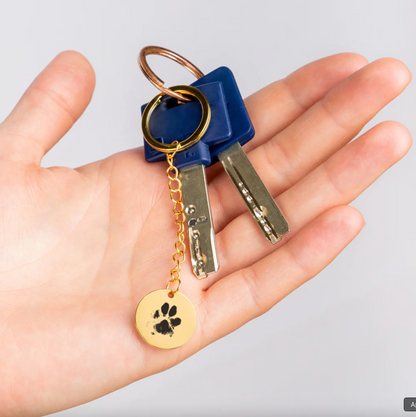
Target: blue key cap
column 242, row 128
column 182, row 120
column 171, row 121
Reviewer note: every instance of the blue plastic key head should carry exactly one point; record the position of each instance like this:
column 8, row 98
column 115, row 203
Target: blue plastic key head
column 172, row 121
column 241, row 126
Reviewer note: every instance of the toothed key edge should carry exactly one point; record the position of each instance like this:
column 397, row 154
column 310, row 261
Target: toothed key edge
column 199, row 219
column 254, row 193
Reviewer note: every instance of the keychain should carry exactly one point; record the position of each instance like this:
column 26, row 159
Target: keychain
column 211, row 116
column 165, row 318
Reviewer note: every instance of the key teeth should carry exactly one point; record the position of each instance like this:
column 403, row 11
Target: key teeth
column 198, row 262
column 275, row 238
column 201, row 235
column 254, row 193
column 200, row 275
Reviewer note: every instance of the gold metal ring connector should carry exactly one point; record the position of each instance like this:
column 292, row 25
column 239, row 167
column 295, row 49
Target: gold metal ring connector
column 172, row 281
column 191, row 140
column 155, row 80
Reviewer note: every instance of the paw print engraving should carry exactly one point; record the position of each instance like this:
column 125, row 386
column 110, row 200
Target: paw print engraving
column 167, row 321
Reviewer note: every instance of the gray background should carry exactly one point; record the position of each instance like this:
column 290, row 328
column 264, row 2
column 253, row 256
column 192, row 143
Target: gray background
column 344, row 343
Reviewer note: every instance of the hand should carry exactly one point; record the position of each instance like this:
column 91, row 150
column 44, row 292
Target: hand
column 80, row 247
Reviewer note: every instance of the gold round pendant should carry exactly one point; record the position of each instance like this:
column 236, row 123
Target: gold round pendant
column 164, row 319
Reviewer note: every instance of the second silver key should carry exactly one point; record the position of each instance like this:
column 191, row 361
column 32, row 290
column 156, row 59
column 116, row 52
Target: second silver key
column 254, row 193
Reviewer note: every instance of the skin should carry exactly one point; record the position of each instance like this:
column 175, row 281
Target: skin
column 78, row 247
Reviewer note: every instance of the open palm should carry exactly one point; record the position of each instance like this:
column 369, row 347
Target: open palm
column 79, row 248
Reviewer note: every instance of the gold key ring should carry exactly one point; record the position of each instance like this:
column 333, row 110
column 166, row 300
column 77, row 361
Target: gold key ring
column 191, row 140
column 155, row 80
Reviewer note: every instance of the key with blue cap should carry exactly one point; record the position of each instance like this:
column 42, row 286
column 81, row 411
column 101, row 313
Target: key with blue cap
column 171, row 122
column 235, row 162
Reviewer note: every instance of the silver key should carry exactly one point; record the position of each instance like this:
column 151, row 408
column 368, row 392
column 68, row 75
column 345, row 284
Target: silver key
column 198, row 220
column 254, row 193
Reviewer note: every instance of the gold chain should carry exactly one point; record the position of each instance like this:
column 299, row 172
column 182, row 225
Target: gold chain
column 175, row 187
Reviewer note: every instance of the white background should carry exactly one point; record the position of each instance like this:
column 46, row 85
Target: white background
column 344, row 343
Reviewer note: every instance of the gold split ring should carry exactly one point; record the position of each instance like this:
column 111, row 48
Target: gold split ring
column 191, row 140
column 155, row 80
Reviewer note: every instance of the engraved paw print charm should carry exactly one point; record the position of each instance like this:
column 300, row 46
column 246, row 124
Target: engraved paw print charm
column 157, row 319
column 168, row 321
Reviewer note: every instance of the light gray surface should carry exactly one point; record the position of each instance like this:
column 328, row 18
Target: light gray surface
column 343, row 344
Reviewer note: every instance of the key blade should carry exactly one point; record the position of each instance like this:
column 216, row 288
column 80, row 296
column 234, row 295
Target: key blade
column 199, row 221
column 254, row 193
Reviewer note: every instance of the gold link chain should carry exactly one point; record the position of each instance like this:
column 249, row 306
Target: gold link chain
column 175, row 187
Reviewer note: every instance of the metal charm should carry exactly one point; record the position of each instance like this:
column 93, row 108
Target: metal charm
column 165, row 319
